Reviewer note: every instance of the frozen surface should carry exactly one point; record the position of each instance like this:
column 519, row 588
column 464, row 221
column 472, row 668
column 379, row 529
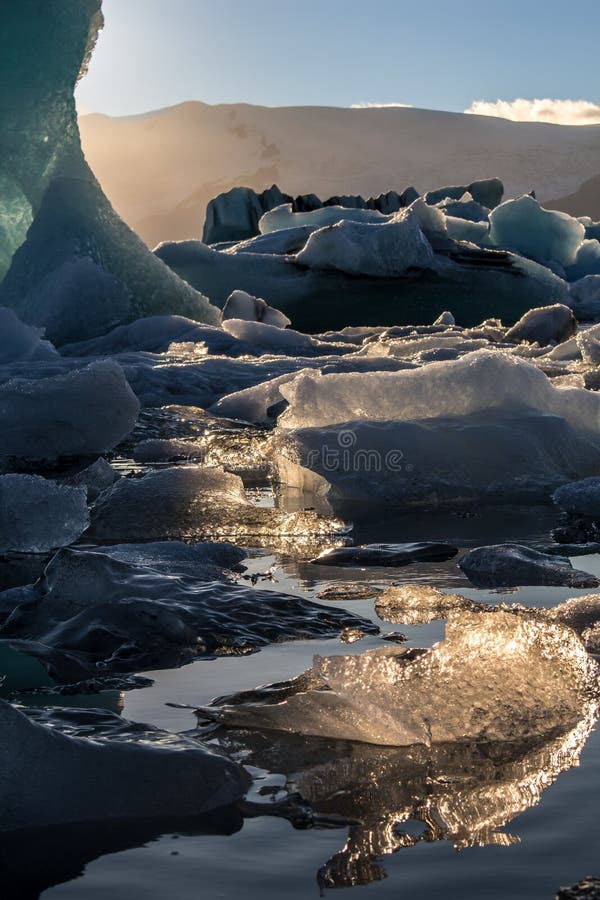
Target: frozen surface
column 478, row 382
column 525, row 226
column 54, row 779
column 495, row 676
column 587, row 261
column 584, row 297
column 39, row 515
column 379, row 250
column 79, row 413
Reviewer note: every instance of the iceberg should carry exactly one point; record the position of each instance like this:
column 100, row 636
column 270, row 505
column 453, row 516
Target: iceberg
column 22, row 343
column 282, row 217
column 54, row 779
column 40, row 515
column 96, row 613
column 512, row 565
column 525, row 226
column 383, row 251
column 68, row 242
column 241, row 305
column 77, row 413
column 505, row 430
column 545, row 325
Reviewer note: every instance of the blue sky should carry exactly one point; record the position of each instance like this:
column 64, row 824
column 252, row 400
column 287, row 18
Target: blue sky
column 439, row 55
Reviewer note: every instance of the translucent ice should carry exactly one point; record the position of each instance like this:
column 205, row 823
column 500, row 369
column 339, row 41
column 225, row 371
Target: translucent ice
column 282, row 217
column 76, row 246
column 497, row 676
column 38, row 515
column 241, row 305
column 525, row 226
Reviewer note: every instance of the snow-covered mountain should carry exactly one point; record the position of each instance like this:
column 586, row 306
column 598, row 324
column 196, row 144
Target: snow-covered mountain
column 160, row 169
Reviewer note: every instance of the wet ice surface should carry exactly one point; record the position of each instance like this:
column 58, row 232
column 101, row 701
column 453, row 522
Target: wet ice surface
column 413, row 807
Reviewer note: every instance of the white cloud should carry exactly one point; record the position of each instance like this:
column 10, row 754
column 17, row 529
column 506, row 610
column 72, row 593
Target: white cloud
column 380, row 105
column 558, row 112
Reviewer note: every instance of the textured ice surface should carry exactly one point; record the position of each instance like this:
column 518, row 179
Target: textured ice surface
column 584, row 297
column 582, row 498
column 479, row 382
column 525, row 226
column 512, row 565
column 587, row 261
column 462, row 792
column 416, row 604
column 456, row 461
column 80, row 413
column 22, row 342
column 153, row 334
column 497, row 676
column 383, row 250
column 79, row 270
column 55, row 779
column 192, row 503
column 544, row 325
column 241, row 305
column 282, row 217
column 38, row 515
column 274, row 339
column 123, row 610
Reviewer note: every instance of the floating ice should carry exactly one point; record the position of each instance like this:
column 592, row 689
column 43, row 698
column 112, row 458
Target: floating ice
column 282, row 217
column 38, row 515
column 274, row 338
column 497, row 676
column 485, row 426
column 584, row 297
column 544, row 325
column 153, row 334
column 581, row 498
column 587, row 261
column 76, row 246
column 523, row 225
column 462, row 792
column 139, row 608
column 513, row 565
column 586, row 889
column 479, row 382
column 386, row 554
column 241, row 305
column 53, row 779
column 417, row 604
column 192, row 503
column 79, row 413
column 22, row 342
column 379, row 250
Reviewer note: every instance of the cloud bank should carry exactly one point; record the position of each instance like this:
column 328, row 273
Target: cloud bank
column 380, row 105
column 557, row 112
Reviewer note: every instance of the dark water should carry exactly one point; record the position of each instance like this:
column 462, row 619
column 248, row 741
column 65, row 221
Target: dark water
column 554, row 833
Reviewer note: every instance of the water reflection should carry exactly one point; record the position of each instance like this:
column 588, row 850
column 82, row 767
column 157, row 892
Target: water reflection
column 394, row 799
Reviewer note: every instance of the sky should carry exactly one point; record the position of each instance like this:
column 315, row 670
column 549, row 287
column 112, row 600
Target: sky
column 425, row 53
